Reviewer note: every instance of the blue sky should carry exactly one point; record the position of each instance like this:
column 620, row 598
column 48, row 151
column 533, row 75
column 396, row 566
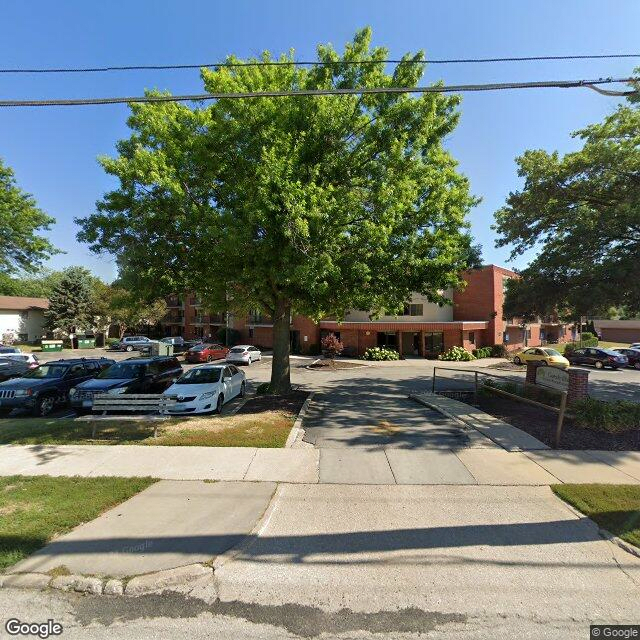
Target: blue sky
column 53, row 151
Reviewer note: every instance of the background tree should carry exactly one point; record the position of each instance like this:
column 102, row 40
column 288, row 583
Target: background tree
column 582, row 213
column 308, row 205
column 39, row 284
column 21, row 248
column 71, row 303
column 128, row 310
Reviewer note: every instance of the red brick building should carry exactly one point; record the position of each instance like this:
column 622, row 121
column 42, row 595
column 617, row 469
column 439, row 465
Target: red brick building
column 474, row 319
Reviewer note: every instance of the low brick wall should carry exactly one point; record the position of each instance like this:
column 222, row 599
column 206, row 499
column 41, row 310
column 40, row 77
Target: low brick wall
column 578, row 381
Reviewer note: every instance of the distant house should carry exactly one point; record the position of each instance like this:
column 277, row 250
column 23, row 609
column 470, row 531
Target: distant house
column 23, row 317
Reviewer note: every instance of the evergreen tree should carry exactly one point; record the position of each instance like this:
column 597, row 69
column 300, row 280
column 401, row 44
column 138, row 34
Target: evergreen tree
column 71, row 302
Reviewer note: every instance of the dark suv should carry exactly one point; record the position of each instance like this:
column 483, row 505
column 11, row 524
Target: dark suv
column 599, row 358
column 43, row 388
column 633, row 356
column 133, row 375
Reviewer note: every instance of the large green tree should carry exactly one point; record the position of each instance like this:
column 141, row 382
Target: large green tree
column 37, row 285
column 21, row 246
column 71, row 307
column 581, row 211
column 309, row 205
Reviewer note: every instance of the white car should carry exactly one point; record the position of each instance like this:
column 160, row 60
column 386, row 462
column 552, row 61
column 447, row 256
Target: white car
column 635, row 345
column 205, row 389
column 244, row 354
column 29, row 358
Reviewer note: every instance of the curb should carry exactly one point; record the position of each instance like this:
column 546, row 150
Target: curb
column 297, row 430
column 138, row 585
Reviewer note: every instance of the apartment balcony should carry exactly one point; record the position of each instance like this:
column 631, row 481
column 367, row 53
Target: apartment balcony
column 174, row 302
column 217, row 318
column 174, row 318
column 260, row 319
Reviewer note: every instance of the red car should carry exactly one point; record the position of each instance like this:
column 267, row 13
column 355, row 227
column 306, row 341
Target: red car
column 206, row 353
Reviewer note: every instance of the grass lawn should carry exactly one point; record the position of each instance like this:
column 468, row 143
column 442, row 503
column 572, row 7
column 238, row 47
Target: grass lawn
column 34, row 509
column 615, row 507
column 265, row 429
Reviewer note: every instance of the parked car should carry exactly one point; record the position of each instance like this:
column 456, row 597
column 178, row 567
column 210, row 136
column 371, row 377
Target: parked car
column 42, row 388
column 13, row 368
column 133, row 375
column 133, row 343
column 180, row 345
column 206, row 353
column 633, row 356
column 599, row 358
column 634, row 345
column 543, row 355
column 4, row 350
column 30, row 358
column 244, row 354
column 206, row 389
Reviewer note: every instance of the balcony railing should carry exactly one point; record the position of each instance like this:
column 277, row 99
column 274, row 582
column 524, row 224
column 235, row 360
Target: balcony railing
column 173, row 302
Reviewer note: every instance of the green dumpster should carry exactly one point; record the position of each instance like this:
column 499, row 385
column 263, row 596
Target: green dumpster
column 86, row 343
column 51, row 345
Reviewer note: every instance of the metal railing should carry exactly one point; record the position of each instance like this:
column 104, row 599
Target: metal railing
column 560, row 410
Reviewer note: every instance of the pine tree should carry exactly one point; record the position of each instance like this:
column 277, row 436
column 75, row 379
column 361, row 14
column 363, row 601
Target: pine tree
column 70, row 303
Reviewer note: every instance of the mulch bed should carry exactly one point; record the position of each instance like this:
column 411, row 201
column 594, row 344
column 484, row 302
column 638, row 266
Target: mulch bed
column 507, row 366
column 332, row 365
column 541, row 424
column 290, row 403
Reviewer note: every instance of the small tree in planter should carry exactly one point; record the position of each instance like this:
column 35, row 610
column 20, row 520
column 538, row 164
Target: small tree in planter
column 331, row 346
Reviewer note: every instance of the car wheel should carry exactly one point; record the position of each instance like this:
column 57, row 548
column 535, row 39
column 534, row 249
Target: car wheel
column 219, row 403
column 129, row 348
column 517, row 360
column 249, row 361
column 243, row 390
column 45, row 405
column 209, row 358
column 599, row 365
column 637, row 365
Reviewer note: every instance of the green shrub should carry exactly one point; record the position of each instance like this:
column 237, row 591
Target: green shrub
column 381, row 353
column 313, row 349
column 499, row 351
column 228, row 336
column 482, row 352
column 457, row 354
column 588, row 339
column 615, row 417
column 110, row 342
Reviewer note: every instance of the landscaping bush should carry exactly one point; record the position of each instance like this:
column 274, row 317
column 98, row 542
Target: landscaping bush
column 314, row 349
column 499, row 351
column 457, row 354
column 589, row 339
column 381, row 353
column 482, row 352
column 615, row 417
column 111, row 342
column 331, row 346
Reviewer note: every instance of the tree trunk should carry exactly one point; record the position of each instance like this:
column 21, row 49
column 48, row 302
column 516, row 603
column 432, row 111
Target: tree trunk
column 280, row 370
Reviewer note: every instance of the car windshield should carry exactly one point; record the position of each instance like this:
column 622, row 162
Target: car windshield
column 9, row 350
column 200, row 376
column 552, row 352
column 199, row 347
column 123, row 371
column 48, row 371
column 610, row 352
column 238, row 350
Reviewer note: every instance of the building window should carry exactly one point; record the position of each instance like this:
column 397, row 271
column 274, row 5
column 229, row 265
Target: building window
column 387, row 339
column 251, row 332
column 472, row 337
column 413, row 310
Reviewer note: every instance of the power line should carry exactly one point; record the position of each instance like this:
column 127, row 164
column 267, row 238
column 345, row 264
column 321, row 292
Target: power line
column 276, row 63
column 460, row 88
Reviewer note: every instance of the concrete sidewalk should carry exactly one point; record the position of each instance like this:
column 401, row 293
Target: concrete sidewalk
column 484, row 466
column 168, row 525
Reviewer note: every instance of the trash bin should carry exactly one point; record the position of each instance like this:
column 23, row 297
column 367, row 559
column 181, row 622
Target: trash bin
column 161, row 349
column 51, row 345
column 86, row 343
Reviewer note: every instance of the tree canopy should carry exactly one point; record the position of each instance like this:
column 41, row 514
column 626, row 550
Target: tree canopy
column 21, row 246
column 581, row 211
column 310, row 205
column 71, row 302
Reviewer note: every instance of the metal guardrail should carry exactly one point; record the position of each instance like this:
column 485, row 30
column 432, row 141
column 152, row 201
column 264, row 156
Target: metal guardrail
column 561, row 410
